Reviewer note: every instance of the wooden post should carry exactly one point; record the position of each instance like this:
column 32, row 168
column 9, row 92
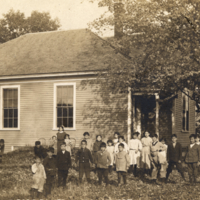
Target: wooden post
column 157, row 114
column 133, row 113
column 138, row 118
column 129, row 115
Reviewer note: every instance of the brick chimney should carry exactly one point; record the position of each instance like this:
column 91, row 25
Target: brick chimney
column 118, row 17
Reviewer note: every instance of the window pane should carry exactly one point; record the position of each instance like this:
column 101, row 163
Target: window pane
column 5, row 123
column 11, row 113
column 9, row 103
column 15, row 113
column 15, row 123
column 15, row 103
column 10, row 123
column 6, row 113
column 15, row 95
column 70, row 122
column 64, row 102
column 64, row 112
column 59, row 112
column 5, row 104
column 59, row 122
column 5, row 93
column 70, row 111
column 65, row 122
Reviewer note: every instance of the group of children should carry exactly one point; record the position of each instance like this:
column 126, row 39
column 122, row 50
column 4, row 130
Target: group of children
column 149, row 154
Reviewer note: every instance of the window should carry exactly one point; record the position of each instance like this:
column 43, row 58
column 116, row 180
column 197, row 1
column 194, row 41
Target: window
column 10, row 107
column 64, row 105
column 185, row 116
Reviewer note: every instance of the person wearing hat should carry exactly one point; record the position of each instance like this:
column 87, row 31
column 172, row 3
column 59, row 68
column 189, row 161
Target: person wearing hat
column 103, row 160
column 50, row 169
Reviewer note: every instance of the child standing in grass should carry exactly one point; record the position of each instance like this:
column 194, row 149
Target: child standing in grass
column 50, row 169
column 63, row 165
column 122, row 161
column 96, row 147
column 121, row 140
column 1, row 149
column 145, row 155
column 84, row 157
column 103, row 160
column 39, row 177
column 135, row 147
column 111, row 150
column 192, row 158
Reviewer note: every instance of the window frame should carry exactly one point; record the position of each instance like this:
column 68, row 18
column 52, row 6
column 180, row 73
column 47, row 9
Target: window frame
column 1, row 107
column 187, row 102
column 74, row 105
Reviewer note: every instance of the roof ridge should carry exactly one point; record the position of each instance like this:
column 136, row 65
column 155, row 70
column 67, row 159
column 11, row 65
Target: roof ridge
column 125, row 56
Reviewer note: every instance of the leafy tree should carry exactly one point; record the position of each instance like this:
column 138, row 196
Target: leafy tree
column 161, row 41
column 13, row 24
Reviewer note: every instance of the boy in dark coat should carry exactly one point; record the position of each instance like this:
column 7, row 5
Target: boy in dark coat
column 63, row 165
column 50, row 169
column 84, row 157
column 39, row 150
column 174, row 156
column 192, row 159
column 103, row 160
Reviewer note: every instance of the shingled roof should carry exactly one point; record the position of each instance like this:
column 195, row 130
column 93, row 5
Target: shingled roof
column 55, row 52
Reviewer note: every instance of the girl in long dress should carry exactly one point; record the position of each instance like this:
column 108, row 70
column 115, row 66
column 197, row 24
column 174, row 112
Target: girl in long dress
column 135, row 148
column 60, row 137
column 145, row 157
column 111, row 149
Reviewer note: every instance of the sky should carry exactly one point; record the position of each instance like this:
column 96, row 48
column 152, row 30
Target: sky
column 73, row 14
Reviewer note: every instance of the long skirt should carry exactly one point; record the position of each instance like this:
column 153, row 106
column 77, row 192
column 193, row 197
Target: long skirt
column 145, row 158
column 134, row 158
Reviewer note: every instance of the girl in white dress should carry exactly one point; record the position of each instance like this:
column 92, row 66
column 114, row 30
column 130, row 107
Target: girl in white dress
column 121, row 140
column 68, row 143
column 145, row 157
column 162, row 154
column 135, row 148
column 111, row 150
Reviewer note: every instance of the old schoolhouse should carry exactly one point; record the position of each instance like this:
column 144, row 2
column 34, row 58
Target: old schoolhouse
column 41, row 78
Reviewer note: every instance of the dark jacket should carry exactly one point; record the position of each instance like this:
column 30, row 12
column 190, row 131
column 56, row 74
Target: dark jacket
column 39, row 152
column 84, row 156
column 103, row 159
column 192, row 154
column 174, row 154
column 50, row 166
column 63, row 160
column 96, row 146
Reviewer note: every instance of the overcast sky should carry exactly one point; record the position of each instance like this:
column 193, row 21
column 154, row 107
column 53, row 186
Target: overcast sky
column 73, row 14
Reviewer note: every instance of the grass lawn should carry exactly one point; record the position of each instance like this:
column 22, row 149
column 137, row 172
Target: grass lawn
column 16, row 180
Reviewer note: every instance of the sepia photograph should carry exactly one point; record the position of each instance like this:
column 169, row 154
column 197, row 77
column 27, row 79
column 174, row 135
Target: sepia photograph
column 99, row 99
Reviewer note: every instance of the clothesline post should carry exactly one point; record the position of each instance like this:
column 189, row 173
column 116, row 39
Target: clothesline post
column 157, row 114
column 129, row 114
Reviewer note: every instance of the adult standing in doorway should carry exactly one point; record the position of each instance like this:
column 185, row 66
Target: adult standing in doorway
column 60, row 137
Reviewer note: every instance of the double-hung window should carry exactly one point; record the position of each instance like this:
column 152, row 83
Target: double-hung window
column 10, row 103
column 64, row 105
